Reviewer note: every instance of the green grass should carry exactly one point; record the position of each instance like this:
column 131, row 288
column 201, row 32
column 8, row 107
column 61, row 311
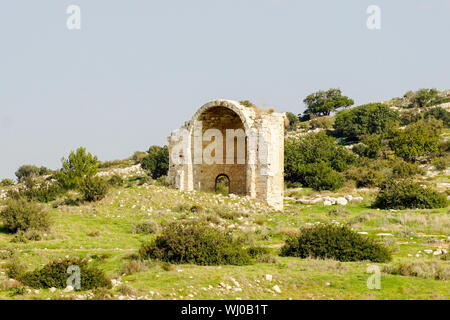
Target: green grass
column 103, row 233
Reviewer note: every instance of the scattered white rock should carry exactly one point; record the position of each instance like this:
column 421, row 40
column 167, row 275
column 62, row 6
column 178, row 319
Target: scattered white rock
column 52, row 289
column 276, row 288
column 268, row 277
column 341, row 201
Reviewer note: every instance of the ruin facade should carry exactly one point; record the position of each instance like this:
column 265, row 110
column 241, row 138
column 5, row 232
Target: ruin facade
column 224, row 138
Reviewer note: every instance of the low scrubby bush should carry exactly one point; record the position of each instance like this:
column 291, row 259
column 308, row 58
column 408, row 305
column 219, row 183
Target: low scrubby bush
column 93, row 188
column 329, row 241
column 422, row 269
column 6, row 183
column 407, row 194
column 32, row 189
column 22, row 215
column 116, row 181
column 146, row 227
column 195, row 243
column 55, row 274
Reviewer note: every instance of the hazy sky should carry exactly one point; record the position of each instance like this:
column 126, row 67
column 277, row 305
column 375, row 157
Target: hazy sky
column 138, row 69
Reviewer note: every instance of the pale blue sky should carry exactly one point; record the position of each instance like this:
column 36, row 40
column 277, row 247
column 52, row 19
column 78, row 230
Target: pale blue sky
column 138, row 69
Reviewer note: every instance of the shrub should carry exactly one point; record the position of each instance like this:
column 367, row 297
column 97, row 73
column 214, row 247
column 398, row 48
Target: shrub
column 402, row 169
column 320, row 176
column 373, row 118
column 6, row 183
column 293, row 121
column 327, row 241
column 157, row 161
column 440, row 163
column 93, row 188
column 195, row 243
column 134, row 266
column 421, row 269
column 323, row 103
column 54, row 274
column 423, row 97
column 116, row 181
column 15, row 268
column 42, row 191
column 418, row 139
column 138, row 156
column 22, row 215
column 321, row 123
column 146, row 227
column 76, row 167
column 256, row 252
column 439, row 113
column 30, row 171
column 408, row 195
column 312, row 149
column 365, row 176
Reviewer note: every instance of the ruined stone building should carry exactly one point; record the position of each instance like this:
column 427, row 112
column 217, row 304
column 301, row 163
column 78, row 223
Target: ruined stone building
column 225, row 139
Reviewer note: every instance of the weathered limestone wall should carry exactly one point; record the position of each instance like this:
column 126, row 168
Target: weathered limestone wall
column 259, row 172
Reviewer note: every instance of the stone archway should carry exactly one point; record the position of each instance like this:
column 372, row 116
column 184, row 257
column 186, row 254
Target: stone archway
column 255, row 169
column 232, row 160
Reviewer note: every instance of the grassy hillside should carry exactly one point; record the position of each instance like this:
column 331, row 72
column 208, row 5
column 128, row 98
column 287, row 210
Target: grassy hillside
column 103, row 233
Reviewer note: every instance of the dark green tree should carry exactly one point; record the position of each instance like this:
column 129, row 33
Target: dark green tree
column 79, row 165
column 417, row 139
column 156, row 161
column 323, row 103
column 373, row 118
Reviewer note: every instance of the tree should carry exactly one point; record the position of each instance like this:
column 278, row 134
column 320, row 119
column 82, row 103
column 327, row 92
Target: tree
column 372, row 118
column 293, row 120
column 79, row 165
column 30, row 171
column 417, row 139
column 423, row 97
column 323, row 103
column 315, row 160
column 157, row 161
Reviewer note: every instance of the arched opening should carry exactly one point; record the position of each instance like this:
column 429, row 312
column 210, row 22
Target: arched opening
column 222, row 184
column 224, row 155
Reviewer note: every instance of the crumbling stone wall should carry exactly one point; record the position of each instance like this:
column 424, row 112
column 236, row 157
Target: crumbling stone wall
column 257, row 170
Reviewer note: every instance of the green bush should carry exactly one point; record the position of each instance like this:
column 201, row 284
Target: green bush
column 15, row 268
column 76, row 167
column 157, row 161
column 329, row 241
column 402, row 169
column 54, row 274
column 422, row 97
column 22, row 215
column 320, row 176
column 30, row 171
column 407, row 194
column 6, row 183
column 293, row 121
column 440, row 163
column 373, row 118
column 417, row 139
column 366, row 176
column 93, row 188
column 116, row 181
column 42, row 191
column 303, row 158
column 195, row 243
column 146, row 227
column 439, row 113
